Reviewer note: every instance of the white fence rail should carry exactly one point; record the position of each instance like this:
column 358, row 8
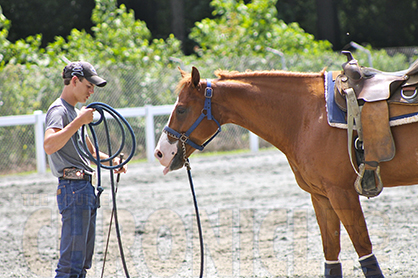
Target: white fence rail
column 37, row 119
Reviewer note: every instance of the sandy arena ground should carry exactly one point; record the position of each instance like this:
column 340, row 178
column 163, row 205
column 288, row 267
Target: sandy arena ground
column 257, row 223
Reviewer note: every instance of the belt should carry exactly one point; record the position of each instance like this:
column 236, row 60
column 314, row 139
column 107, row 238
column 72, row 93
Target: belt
column 76, row 174
column 86, row 177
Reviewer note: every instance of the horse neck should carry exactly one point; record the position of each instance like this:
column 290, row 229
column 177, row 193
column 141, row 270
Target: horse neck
column 276, row 109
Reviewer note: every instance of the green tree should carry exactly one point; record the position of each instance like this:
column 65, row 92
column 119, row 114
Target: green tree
column 381, row 23
column 4, row 32
column 119, row 45
column 47, row 17
column 241, row 29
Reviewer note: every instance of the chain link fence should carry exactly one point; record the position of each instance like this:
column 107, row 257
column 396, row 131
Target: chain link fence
column 129, row 86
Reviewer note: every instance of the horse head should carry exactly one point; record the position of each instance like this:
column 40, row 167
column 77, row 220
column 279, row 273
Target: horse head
column 190, row 124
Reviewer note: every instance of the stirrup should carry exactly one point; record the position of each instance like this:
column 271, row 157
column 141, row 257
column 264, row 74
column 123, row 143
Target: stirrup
column 365, row 183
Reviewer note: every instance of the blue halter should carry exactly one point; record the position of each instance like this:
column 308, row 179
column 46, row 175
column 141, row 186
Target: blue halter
column 206, row 112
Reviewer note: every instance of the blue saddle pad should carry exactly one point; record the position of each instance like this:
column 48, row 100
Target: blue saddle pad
column 337, row 117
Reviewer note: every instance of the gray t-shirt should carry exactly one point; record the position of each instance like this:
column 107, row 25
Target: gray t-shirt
column 60, row 114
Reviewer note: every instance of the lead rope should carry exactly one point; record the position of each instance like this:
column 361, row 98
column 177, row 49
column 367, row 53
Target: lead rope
column 184, row 138
column 199, row 227
column 196, row 208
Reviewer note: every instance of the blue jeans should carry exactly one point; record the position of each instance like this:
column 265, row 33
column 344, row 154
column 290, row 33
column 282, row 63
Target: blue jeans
column 77, row 205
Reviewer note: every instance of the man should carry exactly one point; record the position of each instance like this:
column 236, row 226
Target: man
column 75, row 194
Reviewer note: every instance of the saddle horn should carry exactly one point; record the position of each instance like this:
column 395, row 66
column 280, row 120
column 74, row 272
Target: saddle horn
column 351, row 67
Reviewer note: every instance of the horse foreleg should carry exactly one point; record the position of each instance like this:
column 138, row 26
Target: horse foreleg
column 329, row 224
column 346, row 205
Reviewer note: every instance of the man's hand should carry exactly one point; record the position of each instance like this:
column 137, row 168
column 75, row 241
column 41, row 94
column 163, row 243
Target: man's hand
column 85, row 115
column 55, row 138
column 117, row 161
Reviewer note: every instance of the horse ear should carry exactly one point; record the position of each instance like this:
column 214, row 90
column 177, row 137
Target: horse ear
column 195, row 76
column 182, row 72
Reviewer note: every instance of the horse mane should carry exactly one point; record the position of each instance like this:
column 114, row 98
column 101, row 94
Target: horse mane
column 187, row 79
column 224, row 74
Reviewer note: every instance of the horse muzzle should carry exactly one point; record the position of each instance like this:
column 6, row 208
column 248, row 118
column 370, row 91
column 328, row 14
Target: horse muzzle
column 169, row 154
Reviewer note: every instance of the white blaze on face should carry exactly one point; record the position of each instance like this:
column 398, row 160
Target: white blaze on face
column 165, row 151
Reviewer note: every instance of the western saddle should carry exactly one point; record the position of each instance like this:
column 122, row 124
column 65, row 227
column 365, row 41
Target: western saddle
column 370, row 98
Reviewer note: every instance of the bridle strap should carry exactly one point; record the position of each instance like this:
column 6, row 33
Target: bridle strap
column 206, row 113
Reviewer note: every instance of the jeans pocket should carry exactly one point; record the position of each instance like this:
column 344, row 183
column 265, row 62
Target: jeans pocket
column 64, row 198
column 75, row 193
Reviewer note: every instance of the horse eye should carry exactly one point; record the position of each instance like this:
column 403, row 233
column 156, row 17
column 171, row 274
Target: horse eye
column 181, row 110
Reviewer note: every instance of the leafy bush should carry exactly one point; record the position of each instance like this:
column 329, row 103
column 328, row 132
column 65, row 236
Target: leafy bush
column 241, row 29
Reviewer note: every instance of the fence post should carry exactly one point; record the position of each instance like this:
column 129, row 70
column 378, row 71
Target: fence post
column 39, row 142
column 149, row 133
column 253, row 142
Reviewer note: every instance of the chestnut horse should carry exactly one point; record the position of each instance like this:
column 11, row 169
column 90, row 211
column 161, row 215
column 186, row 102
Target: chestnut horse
column 288, row 110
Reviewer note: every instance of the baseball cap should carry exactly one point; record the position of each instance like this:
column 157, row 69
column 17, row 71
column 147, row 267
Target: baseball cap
column 85, row 70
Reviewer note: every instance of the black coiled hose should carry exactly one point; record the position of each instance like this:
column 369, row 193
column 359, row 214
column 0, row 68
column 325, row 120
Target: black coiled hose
column 101, row 108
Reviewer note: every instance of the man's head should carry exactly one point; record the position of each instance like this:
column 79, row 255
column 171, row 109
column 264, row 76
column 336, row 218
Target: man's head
column 82, row 70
